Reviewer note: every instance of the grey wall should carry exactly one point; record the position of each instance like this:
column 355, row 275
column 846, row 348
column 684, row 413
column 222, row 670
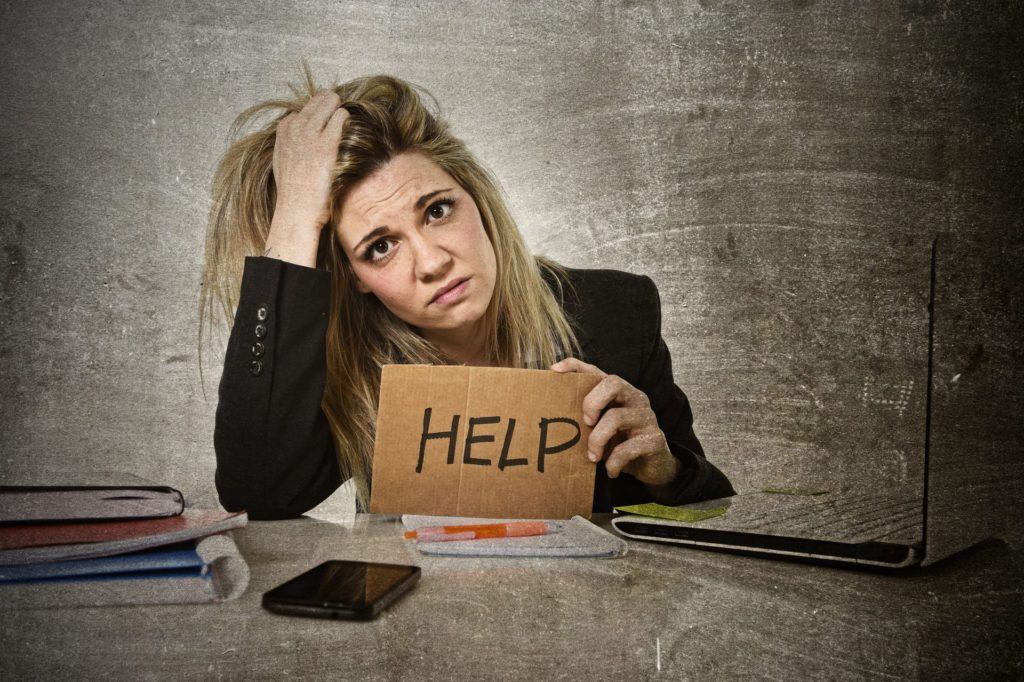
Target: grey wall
column 779, row 168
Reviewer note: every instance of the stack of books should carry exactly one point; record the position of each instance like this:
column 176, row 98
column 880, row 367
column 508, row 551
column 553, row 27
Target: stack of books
column 101, row 546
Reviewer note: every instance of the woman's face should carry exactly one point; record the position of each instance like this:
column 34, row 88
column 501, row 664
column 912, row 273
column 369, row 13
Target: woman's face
column 410, row 232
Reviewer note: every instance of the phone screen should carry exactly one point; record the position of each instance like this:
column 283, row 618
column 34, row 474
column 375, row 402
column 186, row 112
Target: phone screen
column 342, row 589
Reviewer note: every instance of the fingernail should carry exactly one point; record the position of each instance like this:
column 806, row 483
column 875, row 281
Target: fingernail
column 588, row 420
column 592, row 455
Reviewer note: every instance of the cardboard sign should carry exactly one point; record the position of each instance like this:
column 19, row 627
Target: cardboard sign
column 490, row 442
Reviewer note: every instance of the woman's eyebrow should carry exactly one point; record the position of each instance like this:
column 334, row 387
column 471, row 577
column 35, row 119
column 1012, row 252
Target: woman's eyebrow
column 423, row 199
column 377, row 231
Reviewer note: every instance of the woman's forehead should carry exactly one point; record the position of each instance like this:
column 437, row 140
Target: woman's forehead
column 394, row 189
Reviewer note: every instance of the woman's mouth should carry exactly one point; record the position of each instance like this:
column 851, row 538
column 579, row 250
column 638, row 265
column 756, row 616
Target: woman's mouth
column 453, row 294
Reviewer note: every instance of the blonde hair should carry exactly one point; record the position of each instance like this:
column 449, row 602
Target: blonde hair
column 526, row 324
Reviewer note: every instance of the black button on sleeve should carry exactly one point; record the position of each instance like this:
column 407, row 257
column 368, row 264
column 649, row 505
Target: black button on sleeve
column 258, row 349
column 256, row 367
column 261, row 331
column 261, row 313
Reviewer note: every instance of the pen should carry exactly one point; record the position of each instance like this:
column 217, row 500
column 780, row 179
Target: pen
column 479, row 531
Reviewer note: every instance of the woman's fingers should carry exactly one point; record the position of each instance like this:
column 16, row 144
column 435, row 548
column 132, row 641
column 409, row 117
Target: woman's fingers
column 576, row 365
column 319, row 109
column 611, row 389
column 628, row 432
column 335, row 124
column 623, row 454
column 616, row 420
column 645, row 457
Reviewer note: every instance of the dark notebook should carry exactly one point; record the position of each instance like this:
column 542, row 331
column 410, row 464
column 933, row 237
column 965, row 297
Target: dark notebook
column 34, row 504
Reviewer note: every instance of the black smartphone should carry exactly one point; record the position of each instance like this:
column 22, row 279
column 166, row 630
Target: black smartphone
column 342, row 589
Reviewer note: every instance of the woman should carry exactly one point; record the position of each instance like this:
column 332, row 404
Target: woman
column 360, row 232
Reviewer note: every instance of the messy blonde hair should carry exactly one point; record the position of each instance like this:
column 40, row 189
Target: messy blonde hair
column 526, row 326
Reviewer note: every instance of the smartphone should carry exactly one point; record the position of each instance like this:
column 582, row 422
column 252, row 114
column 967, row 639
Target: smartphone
column 354, row 590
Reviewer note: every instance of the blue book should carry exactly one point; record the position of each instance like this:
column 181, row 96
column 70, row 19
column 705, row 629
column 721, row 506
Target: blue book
column 147, row 562
column 170, row 574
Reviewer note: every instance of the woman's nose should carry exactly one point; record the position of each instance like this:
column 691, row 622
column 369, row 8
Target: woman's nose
column 432, row 260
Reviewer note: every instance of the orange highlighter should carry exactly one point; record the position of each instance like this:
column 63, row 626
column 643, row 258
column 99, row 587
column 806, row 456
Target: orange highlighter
column 480, row 531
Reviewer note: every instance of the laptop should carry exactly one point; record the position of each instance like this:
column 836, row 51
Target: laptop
column 965, row 441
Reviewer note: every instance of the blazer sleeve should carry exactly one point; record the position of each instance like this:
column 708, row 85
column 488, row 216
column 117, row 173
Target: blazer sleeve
column 698, row 479
column 275, row 454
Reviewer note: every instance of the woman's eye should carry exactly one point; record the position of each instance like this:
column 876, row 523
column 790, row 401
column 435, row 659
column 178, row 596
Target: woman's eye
column 378, row 250
column 440, row 210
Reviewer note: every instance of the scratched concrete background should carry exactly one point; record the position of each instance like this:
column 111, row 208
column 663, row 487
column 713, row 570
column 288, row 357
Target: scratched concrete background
column 780, row 169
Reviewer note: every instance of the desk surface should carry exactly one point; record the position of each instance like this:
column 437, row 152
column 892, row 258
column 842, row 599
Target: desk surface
column 658, row 611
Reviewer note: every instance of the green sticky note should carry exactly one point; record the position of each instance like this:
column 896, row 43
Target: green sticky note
column 794, row 491
column 682, row 514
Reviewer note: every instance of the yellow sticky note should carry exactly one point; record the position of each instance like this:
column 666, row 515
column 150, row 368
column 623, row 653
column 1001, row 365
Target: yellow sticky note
column 681, row 514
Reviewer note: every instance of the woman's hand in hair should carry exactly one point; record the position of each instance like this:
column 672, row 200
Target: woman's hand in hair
column 305, row 152
column 626, row 434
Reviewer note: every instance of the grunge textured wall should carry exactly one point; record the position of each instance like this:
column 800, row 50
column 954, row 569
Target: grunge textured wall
column 780, row 169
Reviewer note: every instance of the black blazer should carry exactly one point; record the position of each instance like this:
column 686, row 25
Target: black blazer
column 275, row 454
